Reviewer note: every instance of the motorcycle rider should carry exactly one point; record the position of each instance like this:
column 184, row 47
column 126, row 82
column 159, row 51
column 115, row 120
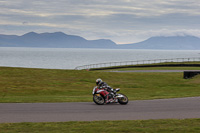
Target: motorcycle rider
column 104, row 85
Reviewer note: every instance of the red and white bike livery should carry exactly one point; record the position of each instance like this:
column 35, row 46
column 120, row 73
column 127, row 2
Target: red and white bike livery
column 99, row 96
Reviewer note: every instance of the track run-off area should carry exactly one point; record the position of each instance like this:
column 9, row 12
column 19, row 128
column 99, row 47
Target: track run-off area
column 176, row 108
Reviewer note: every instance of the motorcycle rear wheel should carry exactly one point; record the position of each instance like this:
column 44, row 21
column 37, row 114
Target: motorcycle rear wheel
column 98, row 99
column 123, row 100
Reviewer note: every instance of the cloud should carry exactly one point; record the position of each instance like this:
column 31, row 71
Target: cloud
column 119, row 20
column 167, row 32
column 103, row 7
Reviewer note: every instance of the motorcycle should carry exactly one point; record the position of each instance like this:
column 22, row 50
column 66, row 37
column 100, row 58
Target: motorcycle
column 99, row 96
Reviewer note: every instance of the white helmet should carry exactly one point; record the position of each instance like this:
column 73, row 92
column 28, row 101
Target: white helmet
column 98, row 81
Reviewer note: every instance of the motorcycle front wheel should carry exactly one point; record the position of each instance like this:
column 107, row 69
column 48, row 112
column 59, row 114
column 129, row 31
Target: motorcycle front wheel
column 98, row 99
column 123, row 100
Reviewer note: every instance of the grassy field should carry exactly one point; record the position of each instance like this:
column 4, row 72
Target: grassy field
column 48, row 85
column 142, row 126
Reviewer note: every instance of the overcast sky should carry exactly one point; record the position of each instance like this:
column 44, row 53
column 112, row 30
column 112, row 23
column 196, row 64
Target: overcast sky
column 122, row 21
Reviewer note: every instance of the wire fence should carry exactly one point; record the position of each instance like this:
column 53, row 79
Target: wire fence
column 140, row 62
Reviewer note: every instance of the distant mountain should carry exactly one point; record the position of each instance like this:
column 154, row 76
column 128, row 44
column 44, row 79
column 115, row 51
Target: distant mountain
column 171, row 43
column 53, row 40
column 62, row 40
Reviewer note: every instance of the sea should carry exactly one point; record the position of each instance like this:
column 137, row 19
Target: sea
column 70, row 58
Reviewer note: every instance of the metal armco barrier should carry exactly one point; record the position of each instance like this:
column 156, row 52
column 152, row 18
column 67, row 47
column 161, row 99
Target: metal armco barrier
column 140, row 62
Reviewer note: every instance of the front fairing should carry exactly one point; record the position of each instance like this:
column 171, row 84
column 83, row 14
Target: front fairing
column 94, row 90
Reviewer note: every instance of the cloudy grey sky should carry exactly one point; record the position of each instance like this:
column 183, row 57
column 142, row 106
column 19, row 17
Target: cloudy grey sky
column 122, row 21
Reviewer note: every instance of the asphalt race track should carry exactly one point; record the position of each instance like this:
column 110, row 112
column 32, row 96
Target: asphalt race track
column 178, row 108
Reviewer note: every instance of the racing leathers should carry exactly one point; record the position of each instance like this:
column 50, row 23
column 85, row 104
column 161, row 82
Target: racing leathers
column 104, row 85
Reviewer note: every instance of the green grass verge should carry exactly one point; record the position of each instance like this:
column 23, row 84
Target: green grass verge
column 140, row 126
column 48, row 85
column 156, row 66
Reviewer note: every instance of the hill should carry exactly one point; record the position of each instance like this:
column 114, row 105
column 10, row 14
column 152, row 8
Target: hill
column 171, row 43
column 62, row 40
column 53, row 40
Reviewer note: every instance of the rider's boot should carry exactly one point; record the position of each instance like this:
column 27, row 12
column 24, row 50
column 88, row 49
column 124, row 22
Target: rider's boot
column 106, row 98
